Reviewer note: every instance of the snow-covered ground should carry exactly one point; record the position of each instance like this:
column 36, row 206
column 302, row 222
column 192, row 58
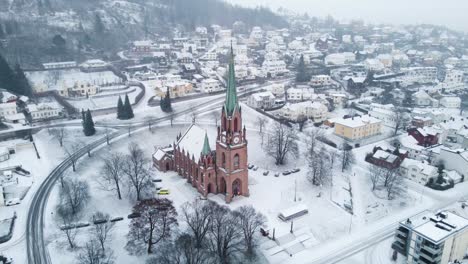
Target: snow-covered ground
column 105, row 100
column 51, row 154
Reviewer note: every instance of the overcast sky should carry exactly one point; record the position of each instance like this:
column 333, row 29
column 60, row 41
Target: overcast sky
column 452, row 13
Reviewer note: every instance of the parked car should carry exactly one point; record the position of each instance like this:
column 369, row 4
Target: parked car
column 133, row 215
column 116, row 219
column 296, row 170
column 255, row 168
column 13, row 201
column 277, row 174
column 201, row 197
column 163, row 192
column 286, row 172
column 157, row 180
column 265, row 173
column 250, row 166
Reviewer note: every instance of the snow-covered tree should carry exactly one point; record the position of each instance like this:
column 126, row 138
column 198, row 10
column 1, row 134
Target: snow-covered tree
column 282, row 142
column 157, row 220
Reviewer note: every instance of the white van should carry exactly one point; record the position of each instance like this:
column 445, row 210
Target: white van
column 13, row 201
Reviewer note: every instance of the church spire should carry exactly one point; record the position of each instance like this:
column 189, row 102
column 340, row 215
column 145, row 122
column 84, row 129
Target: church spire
column 231, row 93
column 206, row 146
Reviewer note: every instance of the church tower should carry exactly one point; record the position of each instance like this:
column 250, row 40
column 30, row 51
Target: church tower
column 231, row 144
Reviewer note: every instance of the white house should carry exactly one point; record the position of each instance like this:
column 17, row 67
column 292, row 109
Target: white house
column 418, row 171
column 44, row 111
column 373, row 65
column 263, row 100
column 450, row 102
column 299, row 94
column 320, row 80
column 59, row 65
column 274, row 67
column 7, row 109
column 340, row 58
column 277, row 89
column 210, row 85
column 421, row 98
column 311, row 110
column 454, row 159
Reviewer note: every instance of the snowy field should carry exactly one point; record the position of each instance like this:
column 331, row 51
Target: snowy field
column 102, row 102
column 50, row 156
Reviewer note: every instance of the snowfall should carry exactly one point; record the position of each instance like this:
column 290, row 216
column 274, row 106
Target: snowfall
column 328, row 226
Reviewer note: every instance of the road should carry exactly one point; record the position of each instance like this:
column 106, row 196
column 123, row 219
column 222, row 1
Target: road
column 347, row 246
column 37, row 252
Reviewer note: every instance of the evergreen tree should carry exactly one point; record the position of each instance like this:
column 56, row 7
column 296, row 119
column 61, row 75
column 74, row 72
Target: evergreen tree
column 22, row 84
column 162, row 103
column 83, row 118
column 7, row 76
column 302, row 75
column 128, row 111
column 98, row 25
column 120, row 109
column 168, row 101
column 89, row 129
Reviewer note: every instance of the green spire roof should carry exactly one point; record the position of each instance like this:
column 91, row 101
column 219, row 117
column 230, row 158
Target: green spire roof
column 206, row 146
column 231, row 93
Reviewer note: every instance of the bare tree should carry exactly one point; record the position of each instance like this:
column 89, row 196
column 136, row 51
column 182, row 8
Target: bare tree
column 74, row 195
column 150, row 120
column 135, row 168
column 101, row 231
column 375, row 175
column 313, row 137
column 301, row 120
column 112, row 172
column 261, row 122
column 71, row 151
column 129, row 129
column 215, row 117
column 319, row 168
column 182, row 251
column 281, row 143
column 60, row 134
column 91, row 253
column 347, row 157
column 171, row 117
column 107, row 132
column 66, row 221
column 387, row 175
column 395, row 185
column 249, row 221
column 158, row 219
column 193, row 114
column 400, row 119
column 197, row 216
column 225, row 235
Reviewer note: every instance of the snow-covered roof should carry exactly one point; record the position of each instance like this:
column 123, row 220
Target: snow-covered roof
column 383, row 155
column 192, row 141
column 442, row 225
column 159, row 154
column 357, row 121
column 423, row 167
column 260, row 96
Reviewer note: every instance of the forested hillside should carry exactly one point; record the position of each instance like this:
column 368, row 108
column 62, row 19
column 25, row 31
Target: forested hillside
column 77, row 29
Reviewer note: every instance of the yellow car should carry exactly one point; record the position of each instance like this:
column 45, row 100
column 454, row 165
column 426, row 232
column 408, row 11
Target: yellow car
column 163, row 192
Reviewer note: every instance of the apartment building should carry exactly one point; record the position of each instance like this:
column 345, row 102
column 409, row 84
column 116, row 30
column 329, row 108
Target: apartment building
column 356, row 128
column 429, row 238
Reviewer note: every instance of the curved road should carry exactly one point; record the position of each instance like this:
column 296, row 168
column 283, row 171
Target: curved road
column 37, row 251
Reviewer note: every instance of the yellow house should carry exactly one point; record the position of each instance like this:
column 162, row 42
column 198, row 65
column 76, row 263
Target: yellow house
column 176, row 89
column 356, row 128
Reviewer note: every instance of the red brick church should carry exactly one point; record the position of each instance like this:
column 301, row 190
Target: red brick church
column 221, row 171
